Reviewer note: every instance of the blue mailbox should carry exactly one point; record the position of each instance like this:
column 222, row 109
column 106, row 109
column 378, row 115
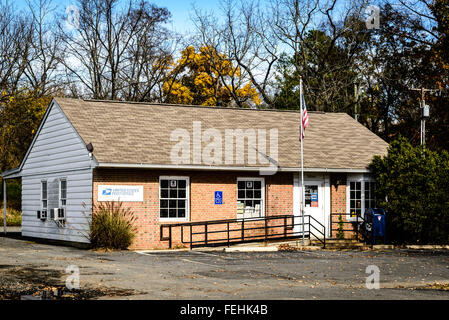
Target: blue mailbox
column 375, row 220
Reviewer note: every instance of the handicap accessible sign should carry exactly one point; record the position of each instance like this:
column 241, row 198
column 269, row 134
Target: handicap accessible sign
column 218, row 197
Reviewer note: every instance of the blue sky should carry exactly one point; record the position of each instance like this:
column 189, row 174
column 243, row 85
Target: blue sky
column 180, row 9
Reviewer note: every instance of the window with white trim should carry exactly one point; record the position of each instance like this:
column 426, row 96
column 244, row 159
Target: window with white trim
column 174, row 198
column 62, row 193
column 370, row 200
column 355, row 200
column 44, row 195
column 250, row 197
column 361, row 197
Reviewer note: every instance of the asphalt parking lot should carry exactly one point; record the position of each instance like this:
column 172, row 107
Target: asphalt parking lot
column 404, row 274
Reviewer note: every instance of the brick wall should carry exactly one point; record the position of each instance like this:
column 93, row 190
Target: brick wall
column 338, row 203
column 278, row 197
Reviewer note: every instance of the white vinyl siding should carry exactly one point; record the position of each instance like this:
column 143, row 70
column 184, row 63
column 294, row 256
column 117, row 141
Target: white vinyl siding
column 57, row 153
column 57, row 148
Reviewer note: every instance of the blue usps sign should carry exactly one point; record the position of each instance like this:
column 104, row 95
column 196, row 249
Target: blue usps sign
column 218, row 197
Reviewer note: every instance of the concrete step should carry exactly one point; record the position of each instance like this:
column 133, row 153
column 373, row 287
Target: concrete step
column 340, row 244
column 332, row 241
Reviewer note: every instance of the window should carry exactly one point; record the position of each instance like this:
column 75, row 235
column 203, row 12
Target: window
column 173, row 198
column 370, row 201
column 355, row 203
column 62, row 193
column 361, row 197
column 44, row 201
column 250, row 197
column 311, row 195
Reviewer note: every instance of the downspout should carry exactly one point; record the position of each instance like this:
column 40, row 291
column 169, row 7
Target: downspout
column 4, row 205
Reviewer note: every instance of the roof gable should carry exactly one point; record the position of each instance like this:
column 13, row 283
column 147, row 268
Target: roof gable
column 49, row 149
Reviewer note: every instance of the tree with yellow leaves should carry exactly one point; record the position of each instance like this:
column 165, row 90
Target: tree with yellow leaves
column 206, row 77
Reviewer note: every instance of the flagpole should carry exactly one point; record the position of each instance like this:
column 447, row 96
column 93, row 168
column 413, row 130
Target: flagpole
column 302, row 160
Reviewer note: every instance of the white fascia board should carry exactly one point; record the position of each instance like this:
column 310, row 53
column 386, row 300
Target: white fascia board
column 342, row 170
column 11, row 174
column 220, row 168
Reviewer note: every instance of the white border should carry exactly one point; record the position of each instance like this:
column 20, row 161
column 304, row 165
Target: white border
column 46, row 199
column 66, row 193
column 187, row 217
column 356, row 178
column 325, row 195
column 262, row 180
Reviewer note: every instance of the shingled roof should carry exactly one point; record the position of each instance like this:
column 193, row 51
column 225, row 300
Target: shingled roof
column 138, row 133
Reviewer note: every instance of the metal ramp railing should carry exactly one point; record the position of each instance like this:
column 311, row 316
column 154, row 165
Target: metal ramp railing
column 234, row 231
column 360, row 227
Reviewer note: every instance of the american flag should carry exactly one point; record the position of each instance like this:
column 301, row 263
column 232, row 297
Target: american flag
column 305, row 118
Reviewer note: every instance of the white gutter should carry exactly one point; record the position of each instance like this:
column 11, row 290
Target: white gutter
column 4, row 206
column 15, row 173
column 220, row 168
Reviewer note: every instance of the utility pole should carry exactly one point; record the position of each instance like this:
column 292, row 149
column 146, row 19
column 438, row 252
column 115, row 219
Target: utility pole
column 301, row 136
column 424, row 113
column 356, row 103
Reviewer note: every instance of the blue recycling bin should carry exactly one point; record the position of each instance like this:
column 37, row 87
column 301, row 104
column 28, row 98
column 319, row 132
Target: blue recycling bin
column 375, row 218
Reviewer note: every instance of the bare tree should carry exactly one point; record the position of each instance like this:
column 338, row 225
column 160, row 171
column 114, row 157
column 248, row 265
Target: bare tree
column 15, row 39
column 323, row 39
column 255, row 37
column 41, row 72
column 243, row 35
column 149, row 54
column 110, row 49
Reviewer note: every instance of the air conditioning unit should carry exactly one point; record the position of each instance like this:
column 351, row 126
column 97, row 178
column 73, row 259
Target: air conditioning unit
column 61, row 214
column 42, row 214
column 58, row 214
column 52, row 213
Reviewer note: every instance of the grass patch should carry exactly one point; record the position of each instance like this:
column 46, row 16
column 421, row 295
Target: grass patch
column 438, row 286
column 13, row 217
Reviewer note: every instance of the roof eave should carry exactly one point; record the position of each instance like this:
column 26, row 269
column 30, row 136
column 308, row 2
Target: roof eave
column 11, row 174
column 223, row 168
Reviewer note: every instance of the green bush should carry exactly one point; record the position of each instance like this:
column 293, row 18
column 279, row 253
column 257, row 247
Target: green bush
column 13, row 194
column 111, row 226
column 13, row 217
column 341, row 226
column 412, row 185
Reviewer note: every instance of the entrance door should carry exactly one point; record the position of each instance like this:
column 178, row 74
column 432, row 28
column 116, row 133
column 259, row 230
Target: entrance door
column 313, row 206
